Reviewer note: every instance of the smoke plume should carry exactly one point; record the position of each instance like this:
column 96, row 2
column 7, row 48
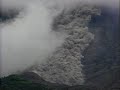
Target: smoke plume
column 28, row 38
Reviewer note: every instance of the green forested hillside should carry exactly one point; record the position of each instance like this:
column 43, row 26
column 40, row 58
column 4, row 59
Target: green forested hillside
column 16, row 82
column 19, row 82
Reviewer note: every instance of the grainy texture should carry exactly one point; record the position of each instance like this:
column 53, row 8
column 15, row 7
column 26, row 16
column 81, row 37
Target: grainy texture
column 64, row 65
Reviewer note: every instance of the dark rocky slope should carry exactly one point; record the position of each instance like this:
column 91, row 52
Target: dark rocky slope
column 102, row 58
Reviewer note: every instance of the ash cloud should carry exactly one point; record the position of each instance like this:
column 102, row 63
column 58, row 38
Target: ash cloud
column 29, row 38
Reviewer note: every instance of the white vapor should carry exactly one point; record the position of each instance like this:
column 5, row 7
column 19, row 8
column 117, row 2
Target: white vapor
column 29, row 37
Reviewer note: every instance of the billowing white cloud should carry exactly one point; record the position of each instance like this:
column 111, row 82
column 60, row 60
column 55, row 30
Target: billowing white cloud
column 29, row 38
